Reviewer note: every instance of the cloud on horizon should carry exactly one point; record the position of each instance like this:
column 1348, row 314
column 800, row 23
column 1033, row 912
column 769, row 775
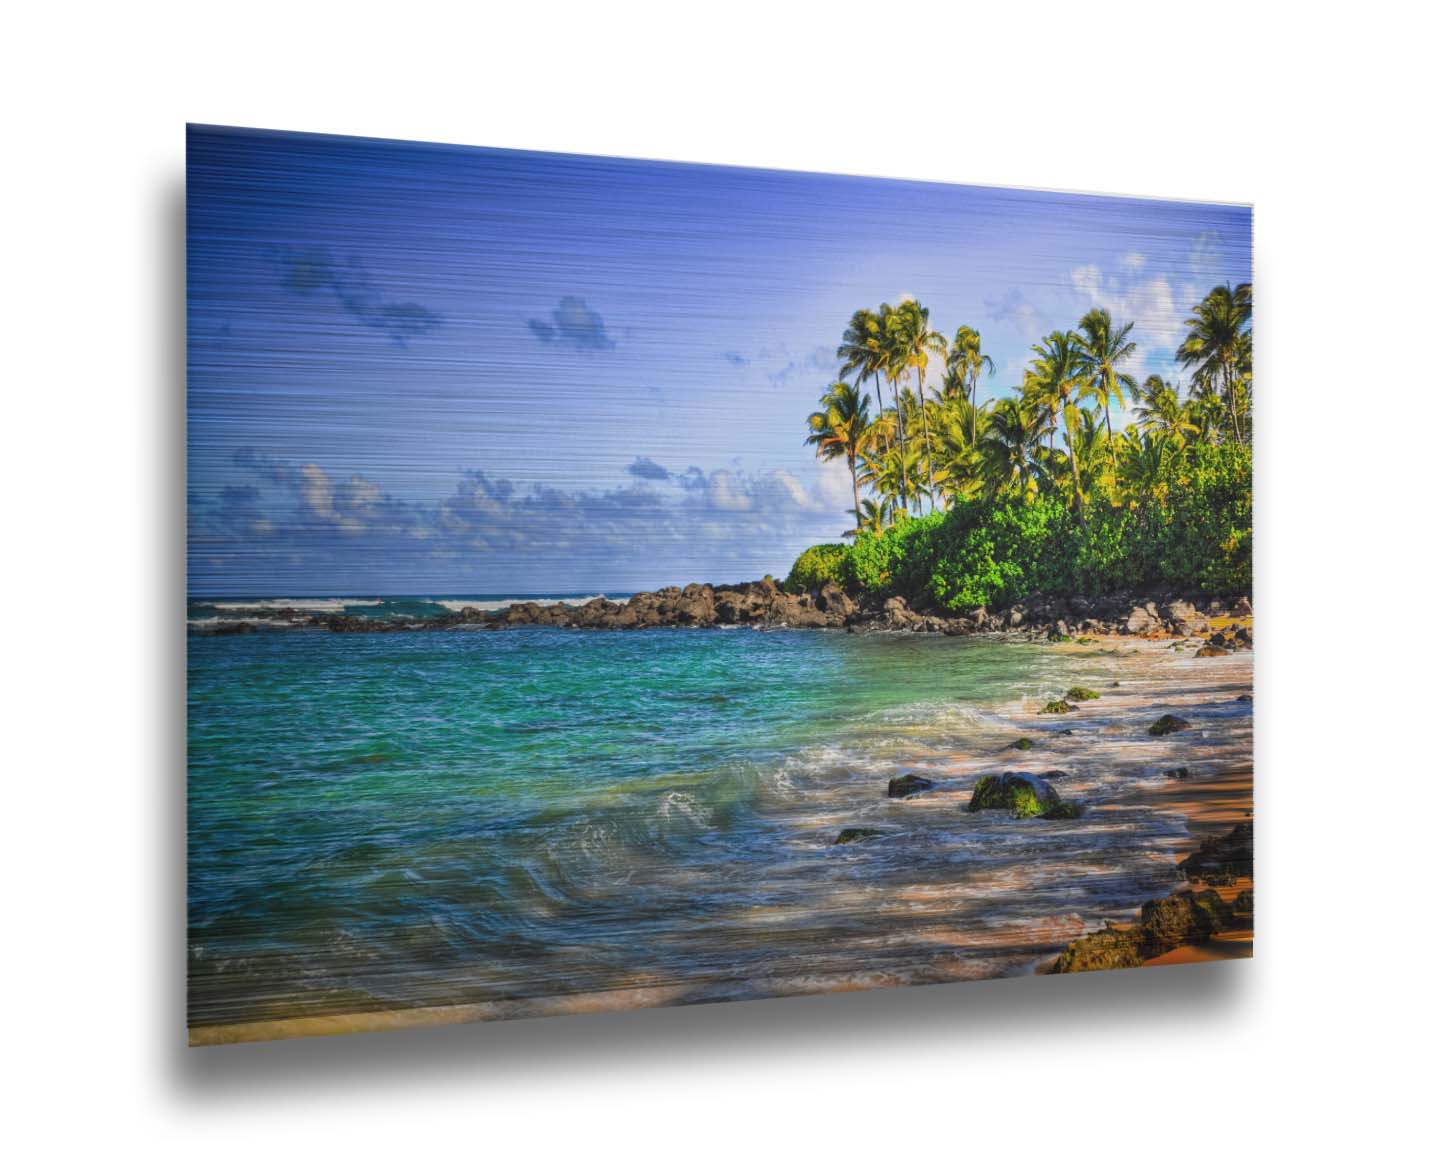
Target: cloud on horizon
column 297, row 527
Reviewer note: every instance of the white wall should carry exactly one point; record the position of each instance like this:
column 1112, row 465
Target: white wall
column 1323, row 118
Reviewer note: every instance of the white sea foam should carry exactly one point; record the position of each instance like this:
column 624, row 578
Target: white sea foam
column 326, row 605
column 259, row 621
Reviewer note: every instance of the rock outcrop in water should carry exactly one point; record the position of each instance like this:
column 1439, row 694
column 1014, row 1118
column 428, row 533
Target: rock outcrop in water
column 1223, row 859
column 765, row 604
column 1023, row 794
column 903, row 787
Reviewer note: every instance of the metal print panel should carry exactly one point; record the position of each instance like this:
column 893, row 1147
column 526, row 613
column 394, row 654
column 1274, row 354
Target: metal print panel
column 616, row 584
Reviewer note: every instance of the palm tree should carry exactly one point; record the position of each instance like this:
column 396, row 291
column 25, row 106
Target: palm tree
column 873, row 516
column 1104, row 347
column 1007, row 445
column 841, row 427
column 862, row 353
column 912, row 340
column 1142, row 461
column 1161, row 415
column 1217, row 350
column 895, row 474
column 1082, row 443
column 965, row 361
column 1058, row 383
column 960, row 472
column 1206, row 412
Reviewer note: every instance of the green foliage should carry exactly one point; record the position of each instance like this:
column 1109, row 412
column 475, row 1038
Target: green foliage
column 1191, row 529
column 818, row 565
column 1057, row 708
column 1082, row 694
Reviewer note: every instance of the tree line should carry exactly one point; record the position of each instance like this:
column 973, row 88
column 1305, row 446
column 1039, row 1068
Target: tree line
column 928, row 439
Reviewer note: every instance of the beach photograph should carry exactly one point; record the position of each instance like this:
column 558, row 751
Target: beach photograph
column 615, row 584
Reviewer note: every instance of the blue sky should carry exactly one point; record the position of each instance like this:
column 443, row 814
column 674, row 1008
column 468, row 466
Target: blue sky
column 427, row 369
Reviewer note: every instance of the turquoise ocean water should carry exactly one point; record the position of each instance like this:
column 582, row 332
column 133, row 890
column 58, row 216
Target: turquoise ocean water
column 432, row 818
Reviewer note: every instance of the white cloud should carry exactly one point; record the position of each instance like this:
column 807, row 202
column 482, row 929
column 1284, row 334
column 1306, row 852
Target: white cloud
column 1156, row 307
column 1207, row 255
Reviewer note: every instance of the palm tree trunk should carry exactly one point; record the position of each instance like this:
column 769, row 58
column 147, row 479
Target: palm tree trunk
column 1234, row 411
column 925, row 424
column 1110, row 439
column 974, row 396
column 854, row 490
column 900, row 431
column 1075, row 469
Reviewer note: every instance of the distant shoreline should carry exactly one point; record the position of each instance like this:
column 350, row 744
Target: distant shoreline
column 1156, row 611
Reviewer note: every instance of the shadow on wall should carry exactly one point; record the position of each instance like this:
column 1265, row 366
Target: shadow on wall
column 631, row 1044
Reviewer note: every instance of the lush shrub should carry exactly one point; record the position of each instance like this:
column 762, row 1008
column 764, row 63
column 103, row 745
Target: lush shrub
column 1192, row 530
column 817, row 565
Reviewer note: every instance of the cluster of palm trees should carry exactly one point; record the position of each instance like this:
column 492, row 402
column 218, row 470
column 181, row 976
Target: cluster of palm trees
column 938, row 445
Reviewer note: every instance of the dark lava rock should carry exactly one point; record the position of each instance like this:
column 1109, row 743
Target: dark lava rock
column 1054, row 774
column 850, row 835
column 1184, row 918
column 902, row 787
column 1107, row 948
column 1245, row 698
column 1168, row 724
column 240, row 628
column 1223, row 859
column 1178, row 773
column 1023, row 794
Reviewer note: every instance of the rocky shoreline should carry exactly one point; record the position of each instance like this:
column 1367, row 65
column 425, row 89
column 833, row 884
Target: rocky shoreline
column 1153, row 612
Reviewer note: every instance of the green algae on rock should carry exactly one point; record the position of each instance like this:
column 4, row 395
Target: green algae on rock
column 1023, row 794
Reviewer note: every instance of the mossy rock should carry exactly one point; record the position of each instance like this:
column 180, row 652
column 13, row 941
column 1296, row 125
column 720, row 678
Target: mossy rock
column 1223, row 859
column 903, row 787
column 1023, row 794
column 1105, row 949
column 1078, row 693
column 1024, row 744
column 1057, row 708
column 850, row 835
column 1168, row 724
column 1183, row 918
column 1087, row 640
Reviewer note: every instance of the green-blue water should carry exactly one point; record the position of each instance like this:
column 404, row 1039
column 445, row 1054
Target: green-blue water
column 408, row 819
